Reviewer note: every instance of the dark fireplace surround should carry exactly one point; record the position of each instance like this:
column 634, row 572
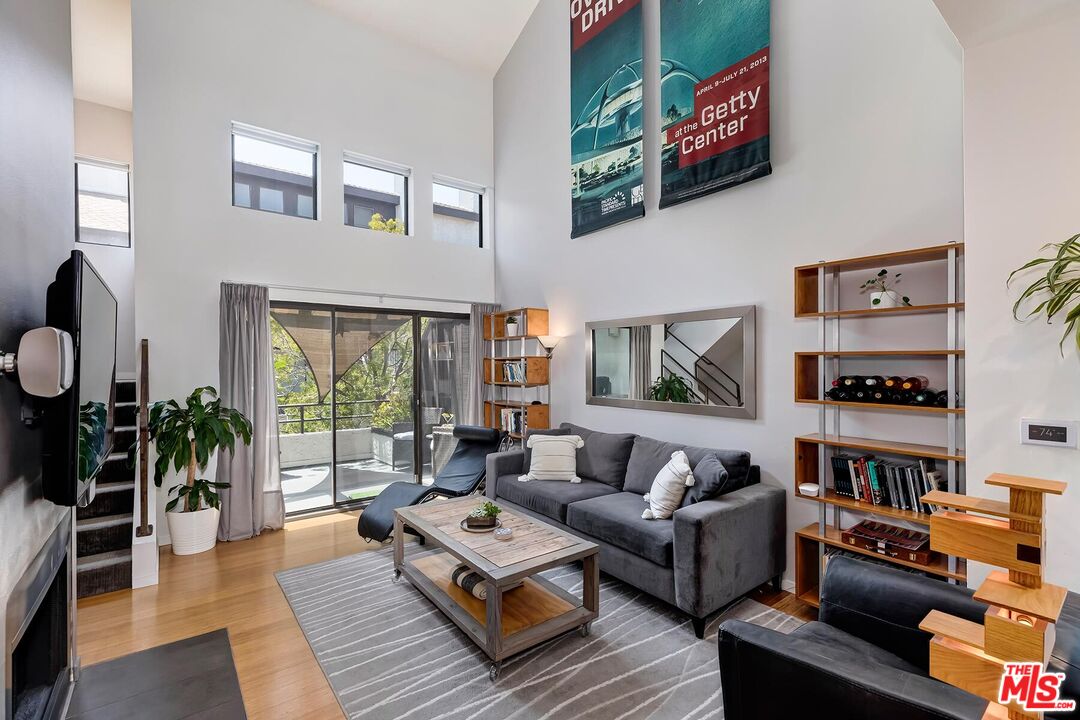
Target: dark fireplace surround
column 40, row 633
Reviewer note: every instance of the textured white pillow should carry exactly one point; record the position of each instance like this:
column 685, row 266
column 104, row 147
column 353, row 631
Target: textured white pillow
column 668, row 488
column 554, row 457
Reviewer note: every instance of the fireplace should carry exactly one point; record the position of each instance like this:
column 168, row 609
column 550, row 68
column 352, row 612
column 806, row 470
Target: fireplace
column 38, row 677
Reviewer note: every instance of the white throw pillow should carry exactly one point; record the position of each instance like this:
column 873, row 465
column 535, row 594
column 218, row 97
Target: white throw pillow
column 554, row 457
column 668, row 488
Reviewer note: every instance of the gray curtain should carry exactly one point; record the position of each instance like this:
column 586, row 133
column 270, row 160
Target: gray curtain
column 254, row 502
column 641, row 375
column 474, row 408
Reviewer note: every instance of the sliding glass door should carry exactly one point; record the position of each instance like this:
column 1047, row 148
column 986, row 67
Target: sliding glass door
column 359, row 406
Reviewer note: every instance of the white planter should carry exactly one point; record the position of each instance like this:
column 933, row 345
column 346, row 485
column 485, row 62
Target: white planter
column 193, row 532
column 887, row 299
column 511, row 329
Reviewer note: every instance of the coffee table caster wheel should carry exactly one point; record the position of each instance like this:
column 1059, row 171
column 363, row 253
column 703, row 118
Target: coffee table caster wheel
column 397, row 576
column 584, row 629
column 493, row 671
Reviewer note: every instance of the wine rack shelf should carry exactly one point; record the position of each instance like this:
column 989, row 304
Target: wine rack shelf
column 817, row 296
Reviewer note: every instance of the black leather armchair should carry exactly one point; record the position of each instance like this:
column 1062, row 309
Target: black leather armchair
column 865, row 657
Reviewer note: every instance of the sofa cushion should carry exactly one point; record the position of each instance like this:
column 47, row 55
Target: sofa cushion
column 604, row 456
column 616, row 519
column 550, row 498
column 838, row 649
column 554, row 457
column 647, row 458
column 711, row 480
column 528, row 450
column 736, row 462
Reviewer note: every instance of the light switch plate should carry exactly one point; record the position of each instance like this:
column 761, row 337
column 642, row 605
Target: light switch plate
column 1052, row 433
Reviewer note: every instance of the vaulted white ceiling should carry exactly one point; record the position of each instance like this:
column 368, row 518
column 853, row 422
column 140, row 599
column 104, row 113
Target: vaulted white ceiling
column 477, row 34
column 975, row 22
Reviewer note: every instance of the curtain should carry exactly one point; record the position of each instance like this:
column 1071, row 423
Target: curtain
column 474, row 407
column 641, row 375
column 254, row 501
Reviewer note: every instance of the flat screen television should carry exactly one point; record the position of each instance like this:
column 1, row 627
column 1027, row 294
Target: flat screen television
column 79, row 422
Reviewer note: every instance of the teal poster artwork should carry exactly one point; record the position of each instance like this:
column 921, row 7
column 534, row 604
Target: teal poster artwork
column 714, row 96
column 605, row 114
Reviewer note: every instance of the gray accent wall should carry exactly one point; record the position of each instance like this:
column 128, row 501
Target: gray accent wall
column 37, row 230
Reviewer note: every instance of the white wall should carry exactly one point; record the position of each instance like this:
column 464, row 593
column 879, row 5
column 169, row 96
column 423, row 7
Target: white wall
column 288, row 66
column 1021, row 174
column 866, row 142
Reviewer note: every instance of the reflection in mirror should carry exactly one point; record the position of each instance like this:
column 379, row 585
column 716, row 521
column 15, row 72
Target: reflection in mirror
column 701, row 360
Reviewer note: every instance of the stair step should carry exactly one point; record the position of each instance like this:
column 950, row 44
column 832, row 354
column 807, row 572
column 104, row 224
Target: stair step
column 116, row 469
column 127, row 414
column 96, row 535
column 125, row 391
column 105, row 559
column 103, row 572
column 110, row 499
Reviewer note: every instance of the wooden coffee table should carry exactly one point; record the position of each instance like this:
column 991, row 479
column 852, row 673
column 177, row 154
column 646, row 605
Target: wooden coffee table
column 522, row 609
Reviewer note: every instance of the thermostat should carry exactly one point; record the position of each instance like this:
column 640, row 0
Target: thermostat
column 1055, row 433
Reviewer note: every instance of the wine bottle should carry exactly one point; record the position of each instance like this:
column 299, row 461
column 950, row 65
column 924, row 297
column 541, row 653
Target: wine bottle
column 881, row 396
column 874, row 381
column 916, row 383
column 836, row 393
column 904, row 397
column 924, row 398
column 941, row 400
column 852, row 381
column 861, row 395
column 894, row 382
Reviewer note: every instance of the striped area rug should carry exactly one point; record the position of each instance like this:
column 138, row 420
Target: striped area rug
column 389, row 653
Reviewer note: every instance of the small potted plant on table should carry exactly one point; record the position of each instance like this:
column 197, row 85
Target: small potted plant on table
column 186, row 437
column 483, row 517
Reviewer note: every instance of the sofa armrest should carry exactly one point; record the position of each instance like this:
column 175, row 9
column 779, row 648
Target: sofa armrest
column 756, row 662
column 511, row 462
column 884, row 606
column 726, row 547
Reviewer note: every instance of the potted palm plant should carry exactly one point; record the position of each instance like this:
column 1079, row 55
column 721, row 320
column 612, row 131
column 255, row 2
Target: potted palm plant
column 185, row 437
column 1057, row 287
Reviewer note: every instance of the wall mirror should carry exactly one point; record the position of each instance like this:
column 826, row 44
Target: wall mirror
column 701, row 362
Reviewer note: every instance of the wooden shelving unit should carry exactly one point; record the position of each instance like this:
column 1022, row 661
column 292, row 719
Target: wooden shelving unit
column 817, row 296
column 518, row 344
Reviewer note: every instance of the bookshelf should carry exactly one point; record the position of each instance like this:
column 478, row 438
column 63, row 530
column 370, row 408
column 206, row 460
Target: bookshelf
column 517, row 371
column 817, row 296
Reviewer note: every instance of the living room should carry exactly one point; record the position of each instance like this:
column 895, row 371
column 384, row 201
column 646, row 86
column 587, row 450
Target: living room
column 351, row 220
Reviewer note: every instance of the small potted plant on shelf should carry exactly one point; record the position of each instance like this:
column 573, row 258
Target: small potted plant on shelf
column 670, row 389
column 882, row 294
column 485, row 516
column 185, row 438
column 511, row 325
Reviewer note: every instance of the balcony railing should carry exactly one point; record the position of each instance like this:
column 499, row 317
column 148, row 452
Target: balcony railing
column 320, row 412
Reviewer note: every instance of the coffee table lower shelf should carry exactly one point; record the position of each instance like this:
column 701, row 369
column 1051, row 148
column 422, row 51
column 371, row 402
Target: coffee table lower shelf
column 529, row 614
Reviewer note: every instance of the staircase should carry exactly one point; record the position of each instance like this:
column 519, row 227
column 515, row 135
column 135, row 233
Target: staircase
column 103, row 528
column 709, row 383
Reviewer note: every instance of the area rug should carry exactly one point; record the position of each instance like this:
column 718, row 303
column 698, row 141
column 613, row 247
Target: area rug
column 389, row 653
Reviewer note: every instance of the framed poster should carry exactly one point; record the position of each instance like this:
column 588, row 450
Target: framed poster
column 714, row 96
column 605, row 114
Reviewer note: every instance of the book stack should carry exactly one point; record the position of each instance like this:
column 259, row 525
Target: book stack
column 892, row 484
column 512, row 421
column 514, row 371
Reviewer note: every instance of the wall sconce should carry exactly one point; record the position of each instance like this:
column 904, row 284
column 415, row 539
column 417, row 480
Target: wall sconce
column 548, row 342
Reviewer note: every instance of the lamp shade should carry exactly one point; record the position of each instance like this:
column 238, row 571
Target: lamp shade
column 549, row 341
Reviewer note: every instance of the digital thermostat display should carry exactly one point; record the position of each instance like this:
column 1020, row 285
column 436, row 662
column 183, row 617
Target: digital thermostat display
column 1048, row 432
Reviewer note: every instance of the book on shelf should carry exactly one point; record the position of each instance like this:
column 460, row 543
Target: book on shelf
column 514, row 371
column 898, row 485
column 512, row 420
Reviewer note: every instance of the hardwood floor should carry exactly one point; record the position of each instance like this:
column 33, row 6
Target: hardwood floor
column 233, row 586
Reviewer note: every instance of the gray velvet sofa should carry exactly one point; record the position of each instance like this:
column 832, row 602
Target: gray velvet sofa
column 707, row 555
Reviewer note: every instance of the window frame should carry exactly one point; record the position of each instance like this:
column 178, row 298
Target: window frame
column 254, row 132
column 109, row 165
column 479, row 190
column 373, row 163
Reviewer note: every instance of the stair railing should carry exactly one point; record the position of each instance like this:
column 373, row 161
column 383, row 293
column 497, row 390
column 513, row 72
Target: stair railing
column 665, row 356
column 145, row 529
column 710, row 368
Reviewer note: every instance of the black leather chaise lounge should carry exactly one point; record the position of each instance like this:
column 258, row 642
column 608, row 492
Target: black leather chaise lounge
column 462, row 475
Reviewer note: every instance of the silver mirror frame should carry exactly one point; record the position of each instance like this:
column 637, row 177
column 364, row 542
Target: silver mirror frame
column 747, row 313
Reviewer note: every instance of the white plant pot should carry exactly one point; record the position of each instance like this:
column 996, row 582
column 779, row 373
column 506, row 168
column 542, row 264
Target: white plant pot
column 193, row 532
column 511, row 329
column 887, row 299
